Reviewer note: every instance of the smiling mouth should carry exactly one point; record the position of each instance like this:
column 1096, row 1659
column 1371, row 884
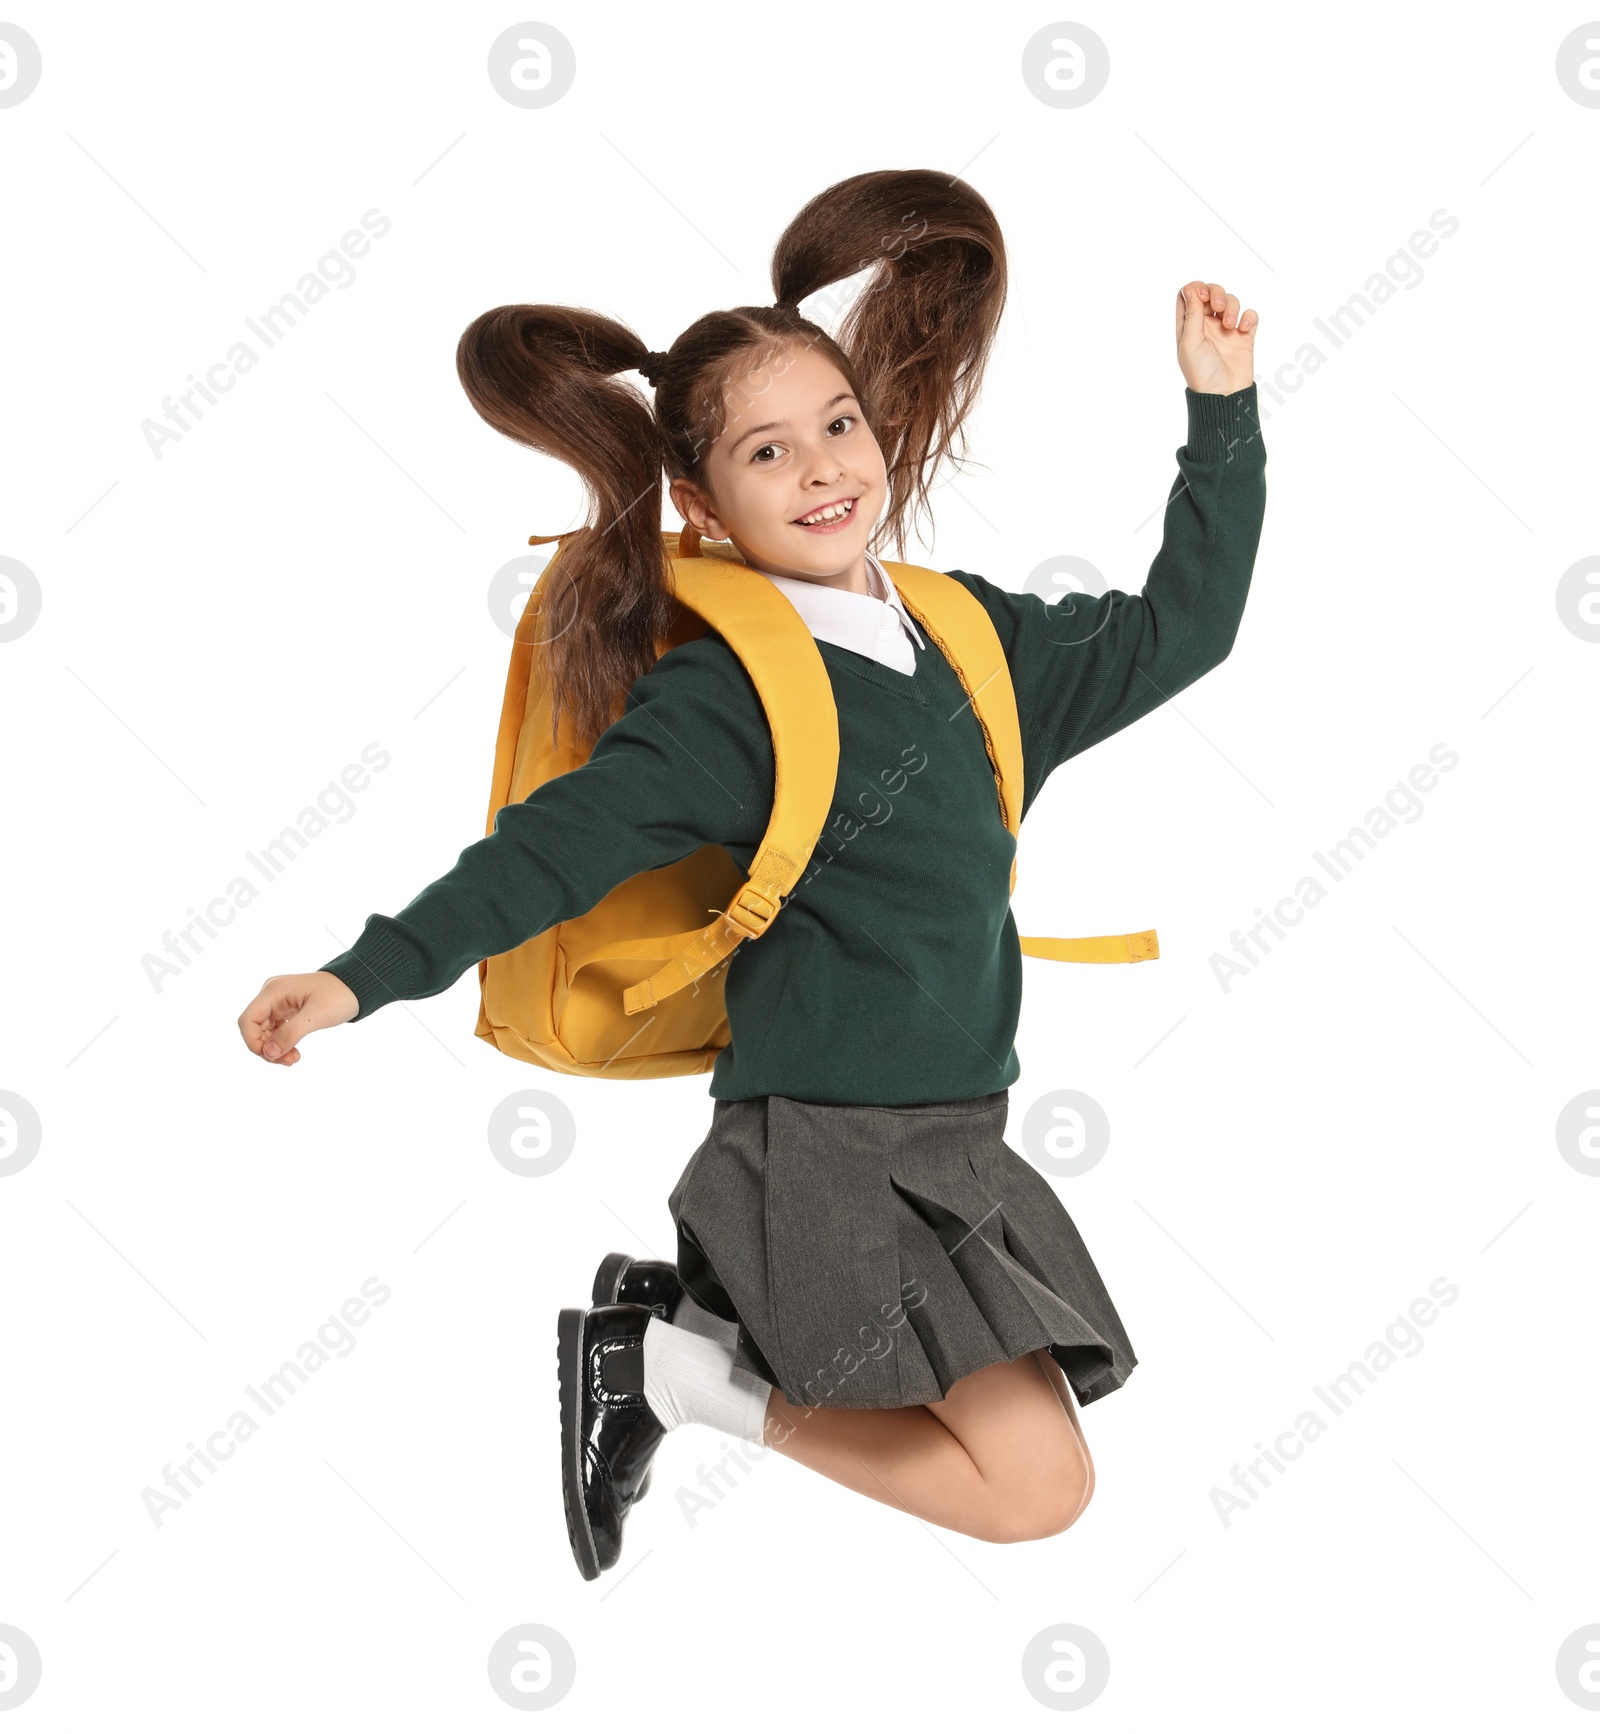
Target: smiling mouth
column 828, row 517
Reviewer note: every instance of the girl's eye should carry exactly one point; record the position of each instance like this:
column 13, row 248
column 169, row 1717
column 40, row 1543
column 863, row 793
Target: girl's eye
column 755, row 456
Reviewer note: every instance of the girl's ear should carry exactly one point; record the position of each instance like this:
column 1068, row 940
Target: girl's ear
column 697, row 511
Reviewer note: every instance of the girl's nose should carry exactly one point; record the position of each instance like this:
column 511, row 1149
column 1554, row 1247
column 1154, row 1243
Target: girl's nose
column 824, row 469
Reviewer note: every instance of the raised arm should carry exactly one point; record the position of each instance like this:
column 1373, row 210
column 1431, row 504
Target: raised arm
column 688, row 763
column 1086, row 666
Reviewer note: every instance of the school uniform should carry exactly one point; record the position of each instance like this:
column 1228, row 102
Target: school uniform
column 853, row 1203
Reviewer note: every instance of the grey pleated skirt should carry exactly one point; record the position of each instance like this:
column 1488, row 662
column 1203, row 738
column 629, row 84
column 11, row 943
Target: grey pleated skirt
column 873, row 1256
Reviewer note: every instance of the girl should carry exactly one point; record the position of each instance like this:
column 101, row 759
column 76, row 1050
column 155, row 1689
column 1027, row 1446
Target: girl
column 869, row 1280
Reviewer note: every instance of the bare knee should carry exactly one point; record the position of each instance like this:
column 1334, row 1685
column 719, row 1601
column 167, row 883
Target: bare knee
column 1034, row 1472
column 1071, row 1503
column 1048, row 1505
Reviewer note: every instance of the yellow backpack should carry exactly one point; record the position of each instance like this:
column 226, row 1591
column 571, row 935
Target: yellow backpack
column 569, row 998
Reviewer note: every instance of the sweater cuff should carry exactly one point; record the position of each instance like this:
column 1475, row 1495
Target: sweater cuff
column 374, row 969
column 1222, row 427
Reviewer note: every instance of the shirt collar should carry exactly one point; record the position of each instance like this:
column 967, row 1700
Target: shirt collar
column 845, row 617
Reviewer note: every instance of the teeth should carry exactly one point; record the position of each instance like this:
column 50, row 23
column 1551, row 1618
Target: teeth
column 829, row 513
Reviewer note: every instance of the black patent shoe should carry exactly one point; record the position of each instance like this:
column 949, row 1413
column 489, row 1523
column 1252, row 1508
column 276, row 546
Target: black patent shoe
column 645, row 1282
column 608, row 1431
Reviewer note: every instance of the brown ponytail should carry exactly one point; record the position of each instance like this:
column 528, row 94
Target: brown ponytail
column 922, row 328
column 541, row 376
column 912, row 348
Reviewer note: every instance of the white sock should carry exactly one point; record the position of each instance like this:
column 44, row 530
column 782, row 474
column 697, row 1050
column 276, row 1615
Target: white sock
column 689, row 1315
column 688, row 1377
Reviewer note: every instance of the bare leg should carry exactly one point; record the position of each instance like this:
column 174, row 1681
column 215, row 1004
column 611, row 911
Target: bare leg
column 1001, row 1457
column 1064, row 1391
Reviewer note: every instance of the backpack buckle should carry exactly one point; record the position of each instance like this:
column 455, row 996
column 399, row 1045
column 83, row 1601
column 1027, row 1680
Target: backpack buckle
column 758, row 908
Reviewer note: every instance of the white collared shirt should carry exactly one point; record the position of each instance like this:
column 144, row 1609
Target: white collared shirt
column 877, row 625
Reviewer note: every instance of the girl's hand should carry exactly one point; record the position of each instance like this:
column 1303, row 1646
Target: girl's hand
column 1216, row 343
column 291, row 1006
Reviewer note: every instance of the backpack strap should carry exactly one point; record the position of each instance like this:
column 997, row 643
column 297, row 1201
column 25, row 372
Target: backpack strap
column 1098, row 948
column 779, row 653
column 959, row 624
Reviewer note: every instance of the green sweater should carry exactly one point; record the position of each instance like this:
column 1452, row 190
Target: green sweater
column 892, row 974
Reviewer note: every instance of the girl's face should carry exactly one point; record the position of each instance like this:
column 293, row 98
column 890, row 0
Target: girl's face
column 795, row 444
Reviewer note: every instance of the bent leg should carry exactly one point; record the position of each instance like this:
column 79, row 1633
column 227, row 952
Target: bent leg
column 1058, row 1378
column 1000, row 1457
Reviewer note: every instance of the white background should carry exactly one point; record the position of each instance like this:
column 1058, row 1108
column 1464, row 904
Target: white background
column 1292, row 1161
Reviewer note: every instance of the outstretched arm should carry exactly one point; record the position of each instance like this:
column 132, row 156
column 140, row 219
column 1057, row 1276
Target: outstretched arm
column 682, row 767
column 1085, row 666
